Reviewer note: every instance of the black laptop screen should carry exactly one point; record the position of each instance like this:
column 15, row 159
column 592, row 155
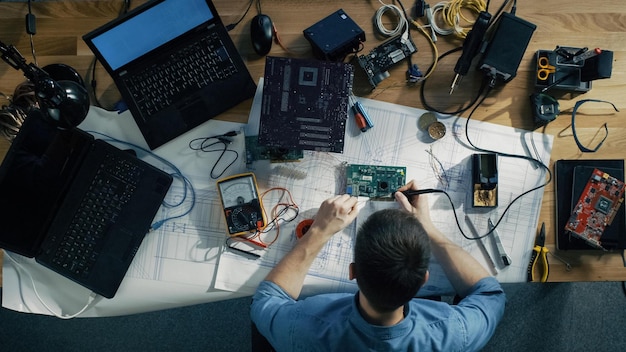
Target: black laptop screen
column 33, row 177
column 150, row 29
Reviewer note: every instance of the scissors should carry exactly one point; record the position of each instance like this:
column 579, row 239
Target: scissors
column 539, row 255
column 545, row 69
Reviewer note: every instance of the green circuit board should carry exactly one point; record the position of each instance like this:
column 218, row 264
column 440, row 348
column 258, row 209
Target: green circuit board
column 255, row 152
column 374, row 181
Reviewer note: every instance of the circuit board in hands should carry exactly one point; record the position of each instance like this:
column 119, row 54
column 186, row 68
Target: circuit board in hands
column 596, row 208
column 305, row 104
column 373, row 181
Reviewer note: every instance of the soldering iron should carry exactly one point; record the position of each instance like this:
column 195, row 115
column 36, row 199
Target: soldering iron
column 471, row 47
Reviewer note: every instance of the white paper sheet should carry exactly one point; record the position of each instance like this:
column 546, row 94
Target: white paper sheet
column 444, row 164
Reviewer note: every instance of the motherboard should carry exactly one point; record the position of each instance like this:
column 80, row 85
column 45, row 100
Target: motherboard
column 305, row 104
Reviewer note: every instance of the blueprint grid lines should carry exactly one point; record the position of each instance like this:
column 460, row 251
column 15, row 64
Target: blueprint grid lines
column 396, row 140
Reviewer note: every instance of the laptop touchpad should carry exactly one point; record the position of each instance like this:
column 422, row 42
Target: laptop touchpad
column 195, row 112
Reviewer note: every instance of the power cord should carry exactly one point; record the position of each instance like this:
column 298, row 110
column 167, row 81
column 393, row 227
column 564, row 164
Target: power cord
column 31, row 29
column 18, row 266
column 483, row 94
column 204, row 144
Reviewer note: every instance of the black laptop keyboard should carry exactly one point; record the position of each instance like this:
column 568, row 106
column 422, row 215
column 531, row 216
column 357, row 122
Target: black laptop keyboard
column 191, row 68
column 111, row 189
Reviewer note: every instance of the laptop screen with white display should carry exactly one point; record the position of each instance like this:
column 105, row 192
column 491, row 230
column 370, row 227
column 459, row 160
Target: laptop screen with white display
column 151, row 28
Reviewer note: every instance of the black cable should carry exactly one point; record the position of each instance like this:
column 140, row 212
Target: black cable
column 202, row 144
column 476, row 103
column 233, row 25
column 460, row 110
column 524, row 157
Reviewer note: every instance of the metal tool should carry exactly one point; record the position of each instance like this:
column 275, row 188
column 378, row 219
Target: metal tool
column 568, row 266
column 481, row 245
column 586, row 55
column 506, row 260
column 545, row 69
column 539, row 255
column 363, row 121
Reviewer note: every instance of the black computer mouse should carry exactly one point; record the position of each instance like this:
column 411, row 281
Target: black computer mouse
column 261, row 33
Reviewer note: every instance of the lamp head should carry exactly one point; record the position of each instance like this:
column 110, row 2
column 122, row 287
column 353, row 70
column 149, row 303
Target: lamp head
column 72, row 108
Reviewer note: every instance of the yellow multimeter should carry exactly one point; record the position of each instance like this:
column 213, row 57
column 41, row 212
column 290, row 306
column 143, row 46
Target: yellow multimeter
column 242, row 205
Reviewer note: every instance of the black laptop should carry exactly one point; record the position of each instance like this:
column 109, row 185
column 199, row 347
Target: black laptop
column 174, row 64
column 79, row 206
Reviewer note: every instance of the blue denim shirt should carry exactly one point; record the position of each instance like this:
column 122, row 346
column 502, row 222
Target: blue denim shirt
column 330, row 322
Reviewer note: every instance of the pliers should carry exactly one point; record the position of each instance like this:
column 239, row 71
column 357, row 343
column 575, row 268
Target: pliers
column 540, row 254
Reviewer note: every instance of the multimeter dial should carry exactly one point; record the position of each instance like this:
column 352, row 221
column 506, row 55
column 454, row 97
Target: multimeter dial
column 238, row 192
column 242, row 218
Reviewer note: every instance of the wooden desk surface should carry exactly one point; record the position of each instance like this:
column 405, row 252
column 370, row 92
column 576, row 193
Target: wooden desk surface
column 593, row 23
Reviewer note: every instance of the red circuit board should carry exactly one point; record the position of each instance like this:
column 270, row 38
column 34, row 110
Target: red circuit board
column 601, row 199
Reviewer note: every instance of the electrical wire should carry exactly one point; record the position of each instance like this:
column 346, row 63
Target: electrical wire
column 30, row 34
column 231, row 26
column 188, row 189
column 280, row 209
column 278, row 213
column 452, row 13
column 19, row 266
column 433, row 66
column 401, row 27
column 205, row 143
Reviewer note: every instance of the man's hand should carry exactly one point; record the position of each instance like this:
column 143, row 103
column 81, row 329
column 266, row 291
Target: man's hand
column 418, row 205
column 460, row 267
column 333, row 216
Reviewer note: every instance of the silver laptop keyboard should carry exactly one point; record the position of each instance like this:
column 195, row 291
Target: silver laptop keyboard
column 192, row 67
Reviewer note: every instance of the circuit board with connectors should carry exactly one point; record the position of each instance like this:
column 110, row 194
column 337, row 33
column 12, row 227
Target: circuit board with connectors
column 373, row 181
column 377, row 63
column 596, row 208
column 255, row 152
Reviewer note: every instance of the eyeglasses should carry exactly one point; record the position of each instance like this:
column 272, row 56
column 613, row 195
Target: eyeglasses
column 606, row 129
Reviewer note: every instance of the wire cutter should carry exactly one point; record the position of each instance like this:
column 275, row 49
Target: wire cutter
column 540, row 254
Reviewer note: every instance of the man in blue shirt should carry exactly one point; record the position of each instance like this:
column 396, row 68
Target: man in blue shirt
column 391, row 254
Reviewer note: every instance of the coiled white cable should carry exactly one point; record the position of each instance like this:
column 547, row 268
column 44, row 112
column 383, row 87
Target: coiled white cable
column 400, row 28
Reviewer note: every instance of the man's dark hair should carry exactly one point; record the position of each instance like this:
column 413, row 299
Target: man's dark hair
column 391, row 257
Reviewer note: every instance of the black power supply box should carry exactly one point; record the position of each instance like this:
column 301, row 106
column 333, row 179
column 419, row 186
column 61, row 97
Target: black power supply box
column 506, row 47
column 334, row 37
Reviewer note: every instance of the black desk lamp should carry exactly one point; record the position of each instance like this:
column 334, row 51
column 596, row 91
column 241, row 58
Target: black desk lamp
column 65, row 102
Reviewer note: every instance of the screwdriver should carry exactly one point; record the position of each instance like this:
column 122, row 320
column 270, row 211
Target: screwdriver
column 471, row 45
column 361, row 117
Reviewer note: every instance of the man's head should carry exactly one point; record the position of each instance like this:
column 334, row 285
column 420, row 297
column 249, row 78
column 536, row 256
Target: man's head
column 391, row 257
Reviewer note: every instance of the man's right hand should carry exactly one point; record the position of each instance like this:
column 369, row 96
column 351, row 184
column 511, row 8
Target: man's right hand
column 334, row 215
column 418, row 205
